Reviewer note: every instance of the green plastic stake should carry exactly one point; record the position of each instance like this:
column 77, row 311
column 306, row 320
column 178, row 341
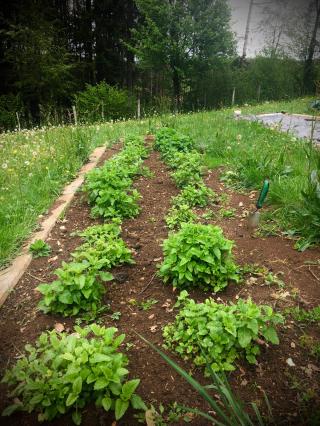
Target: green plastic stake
column 263, row 193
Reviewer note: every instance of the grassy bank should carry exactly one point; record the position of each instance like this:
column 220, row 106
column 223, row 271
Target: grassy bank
column 34, row 167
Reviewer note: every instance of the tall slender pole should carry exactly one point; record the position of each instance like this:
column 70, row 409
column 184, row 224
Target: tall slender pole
column 246, row 35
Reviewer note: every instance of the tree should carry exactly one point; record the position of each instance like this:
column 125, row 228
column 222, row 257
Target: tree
column 182, row 38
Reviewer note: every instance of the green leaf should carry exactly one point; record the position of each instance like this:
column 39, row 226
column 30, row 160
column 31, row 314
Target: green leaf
column 106, row 403
column 76, row 417
column 120, row 408
column 271, row 335
column 77, row 385
column 10, row 409
column 71, row 399
column 137, row 403
column 106, row 276
column 244, row 337
column 101, row 383
column 129, row 387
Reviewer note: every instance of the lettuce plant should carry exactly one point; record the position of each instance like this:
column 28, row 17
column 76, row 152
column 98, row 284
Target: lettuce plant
column 198, row 256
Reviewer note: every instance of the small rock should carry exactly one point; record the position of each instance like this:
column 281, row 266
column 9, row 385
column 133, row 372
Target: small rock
column 290, row 362
column 151, row 316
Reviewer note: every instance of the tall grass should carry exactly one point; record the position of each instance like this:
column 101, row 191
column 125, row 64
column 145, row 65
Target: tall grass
column 35, row 165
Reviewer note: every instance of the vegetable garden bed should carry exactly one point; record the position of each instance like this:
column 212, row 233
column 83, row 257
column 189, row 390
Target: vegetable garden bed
column 139, row 302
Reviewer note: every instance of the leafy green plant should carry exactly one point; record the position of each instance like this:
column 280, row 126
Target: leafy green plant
column 227, row 213
column 195, row 195
column 104, row 253
column 198, row 255
column 189, row 172
column 178, row 215
column 144, row 305
column 77, row 289
column 304, row 316
column 39, row 249
column 115, row 316
column 64, row 373
column 109, row 187
column 168, row 139
column 111, row 195
column 229, row 410
column 218, row 334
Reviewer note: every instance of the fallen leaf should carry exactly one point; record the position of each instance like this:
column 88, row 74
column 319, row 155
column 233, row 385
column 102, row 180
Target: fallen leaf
column 150, row 420
column 151, row 316
column 52, row 259
column 59, row 327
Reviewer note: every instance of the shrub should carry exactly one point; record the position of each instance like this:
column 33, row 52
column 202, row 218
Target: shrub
column 65, row 372
column 77, row 289
column 217, row 334
column 104, row 102
column 198, row 256
column 179, row 215
column 195, row 195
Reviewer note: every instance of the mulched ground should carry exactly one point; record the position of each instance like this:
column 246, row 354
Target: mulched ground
column 292, row 391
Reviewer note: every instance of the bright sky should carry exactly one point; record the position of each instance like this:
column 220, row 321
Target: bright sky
column 240, row 10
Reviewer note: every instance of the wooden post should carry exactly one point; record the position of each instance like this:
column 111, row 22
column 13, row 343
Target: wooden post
column 18, row 120
column 102, row 111
column 75, row 115
column 259, row 92
column 139, row 109
column 233, row 96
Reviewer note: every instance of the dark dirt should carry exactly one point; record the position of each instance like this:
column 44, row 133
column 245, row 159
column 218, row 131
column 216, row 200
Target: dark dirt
column 287, row 387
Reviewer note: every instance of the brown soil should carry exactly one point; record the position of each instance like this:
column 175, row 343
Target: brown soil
column 20, row 322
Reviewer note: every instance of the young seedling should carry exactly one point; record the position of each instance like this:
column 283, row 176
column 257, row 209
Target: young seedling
column 39, row 249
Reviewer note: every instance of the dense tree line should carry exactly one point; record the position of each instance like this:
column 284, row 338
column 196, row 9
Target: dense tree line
column 171, row 54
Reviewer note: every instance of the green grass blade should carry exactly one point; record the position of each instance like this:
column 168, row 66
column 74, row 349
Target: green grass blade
column 196, row 385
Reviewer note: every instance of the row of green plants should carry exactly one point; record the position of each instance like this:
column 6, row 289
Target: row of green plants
column 65, row 372
column 79, row 285
column 212, row 335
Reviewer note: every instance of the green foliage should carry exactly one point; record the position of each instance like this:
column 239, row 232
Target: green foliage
column 198, row 256
column 195, row 195
column 178, row 38
column 39, row 249
column 104, row 102
column 178, row 215
column 144, row 305
column 63, row 373
column 109, row 187
column 77, row 289
column 168, row 140
column 103, row 248
column 301, row 315
column 217, row 334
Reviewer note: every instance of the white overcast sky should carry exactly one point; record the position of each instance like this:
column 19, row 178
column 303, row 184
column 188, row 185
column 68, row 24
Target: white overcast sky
column 240, row 10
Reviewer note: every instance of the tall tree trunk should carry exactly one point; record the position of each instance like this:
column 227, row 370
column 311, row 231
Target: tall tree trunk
column 309, row 83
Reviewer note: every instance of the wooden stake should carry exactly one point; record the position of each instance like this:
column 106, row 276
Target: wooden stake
column 75, row 115
column 18, row 120
column 233, row 96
